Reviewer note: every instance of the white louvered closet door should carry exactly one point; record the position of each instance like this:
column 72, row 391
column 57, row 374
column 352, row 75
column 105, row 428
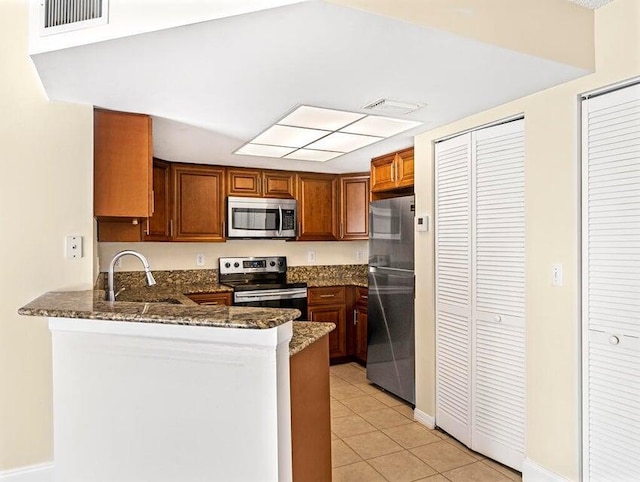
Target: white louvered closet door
column 498, row 261
column 611, row 286
column 453, row 287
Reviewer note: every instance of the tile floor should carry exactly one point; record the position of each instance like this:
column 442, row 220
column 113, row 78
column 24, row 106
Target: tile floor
column 374, row 438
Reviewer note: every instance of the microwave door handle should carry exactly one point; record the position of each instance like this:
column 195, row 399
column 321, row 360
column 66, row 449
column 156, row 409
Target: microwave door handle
column 280, row 224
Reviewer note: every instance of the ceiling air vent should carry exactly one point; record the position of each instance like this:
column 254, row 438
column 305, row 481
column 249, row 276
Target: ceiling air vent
column 391, row 107
column 59, row 16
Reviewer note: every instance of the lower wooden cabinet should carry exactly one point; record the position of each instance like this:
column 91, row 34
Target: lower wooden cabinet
column 360, row 313
column 328, row 305
column 220, row 298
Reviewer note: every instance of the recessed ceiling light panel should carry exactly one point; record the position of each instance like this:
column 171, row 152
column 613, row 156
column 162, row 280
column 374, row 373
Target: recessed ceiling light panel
column 341, row 142
column 264, row 151
column 318, row 118
column 288, row 136
column 312, row 155
column 380, row 126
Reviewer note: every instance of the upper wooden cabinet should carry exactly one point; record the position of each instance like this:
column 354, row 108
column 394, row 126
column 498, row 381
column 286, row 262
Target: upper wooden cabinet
column 122, row 165
column 157, row 227
column 198, row 203
column 354, row 207
column 392, row 171
column 317, row 196
column 260, row 183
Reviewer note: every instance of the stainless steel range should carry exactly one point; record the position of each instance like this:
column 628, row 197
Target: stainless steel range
column 262, row 281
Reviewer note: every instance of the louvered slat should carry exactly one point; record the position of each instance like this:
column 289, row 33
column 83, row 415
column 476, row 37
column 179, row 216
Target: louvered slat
column 611, row 285
column 453, row 287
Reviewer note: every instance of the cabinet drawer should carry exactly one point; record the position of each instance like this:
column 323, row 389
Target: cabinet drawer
column 362, row 295
column 223, row 298
column 326, row 295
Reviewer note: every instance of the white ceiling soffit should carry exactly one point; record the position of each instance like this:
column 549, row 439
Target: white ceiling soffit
column 592, row 4
column 215, row 85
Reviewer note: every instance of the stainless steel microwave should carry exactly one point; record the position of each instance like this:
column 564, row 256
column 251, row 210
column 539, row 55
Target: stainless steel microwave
column 261, row 218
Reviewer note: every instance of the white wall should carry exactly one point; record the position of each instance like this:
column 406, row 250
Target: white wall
column 552, row 236
column 45, row 194
column 131, row 17
column 166, row 256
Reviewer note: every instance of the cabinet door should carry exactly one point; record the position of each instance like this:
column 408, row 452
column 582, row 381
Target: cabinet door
column 354, row 207
column 157, row 226
column 317, row 207
column 278, row 184
column 122, row 164
column 404, row 168
column 383, row 173
column 361, row 333
column 332, row 314
column 198, row 207
column 244, row 182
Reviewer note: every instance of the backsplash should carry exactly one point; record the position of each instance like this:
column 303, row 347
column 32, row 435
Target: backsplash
column 136, row 279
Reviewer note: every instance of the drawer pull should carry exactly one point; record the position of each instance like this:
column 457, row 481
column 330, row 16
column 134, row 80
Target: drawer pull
column 327, row 296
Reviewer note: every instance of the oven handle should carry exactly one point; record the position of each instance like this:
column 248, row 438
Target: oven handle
column 267, row 295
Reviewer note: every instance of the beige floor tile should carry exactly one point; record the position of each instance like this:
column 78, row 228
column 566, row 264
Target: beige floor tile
column 339, row 410
column 401, row 467
column 334, row 436
column 506, row 471
column 442, row 456
column 412, row 435
column 336, row 381
column 405, row 410
column 354, row 376
column 434, row 478
column 464, row 448
column 350, row 425
column 368, row 388
column 342, row 454
column 363, row 404
column 358, row 366
column 385, row 418
column 358, row 472
column 388, row 399
column 476, row 472
column 344, row 370
column 346, row 391
column 372, row 444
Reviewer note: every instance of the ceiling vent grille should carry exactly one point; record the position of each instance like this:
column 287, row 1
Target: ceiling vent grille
column 391, row 107
column 59, row 16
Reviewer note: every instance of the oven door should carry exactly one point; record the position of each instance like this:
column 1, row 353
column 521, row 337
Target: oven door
column 280, row 298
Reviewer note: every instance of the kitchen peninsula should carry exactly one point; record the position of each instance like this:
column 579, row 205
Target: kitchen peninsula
column 173, row 390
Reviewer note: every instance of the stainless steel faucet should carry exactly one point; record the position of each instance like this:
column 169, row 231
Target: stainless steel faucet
column 147, row 270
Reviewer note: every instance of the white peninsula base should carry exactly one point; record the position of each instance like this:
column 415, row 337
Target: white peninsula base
column 159, row 402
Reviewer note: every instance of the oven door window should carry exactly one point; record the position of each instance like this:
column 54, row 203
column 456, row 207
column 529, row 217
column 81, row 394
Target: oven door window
column 254, row 219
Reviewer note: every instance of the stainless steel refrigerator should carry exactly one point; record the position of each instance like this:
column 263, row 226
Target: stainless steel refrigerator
column 391, row 337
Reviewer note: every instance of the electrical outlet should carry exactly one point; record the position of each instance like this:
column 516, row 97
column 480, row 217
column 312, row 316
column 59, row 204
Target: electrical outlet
column 199, row 259
column 73, row 247
column 359, row 256
column 311, row 256
column 556, row 274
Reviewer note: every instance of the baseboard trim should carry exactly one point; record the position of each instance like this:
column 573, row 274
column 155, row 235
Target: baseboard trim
column 424, row 418
column 31, row 473
column 533, row 472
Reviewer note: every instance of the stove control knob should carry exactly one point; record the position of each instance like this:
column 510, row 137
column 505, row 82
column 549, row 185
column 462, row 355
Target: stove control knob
column 280, row 263
column 236, row 264
column 272, row 263
column 227, row 265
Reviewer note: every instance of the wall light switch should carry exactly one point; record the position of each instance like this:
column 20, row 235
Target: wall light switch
column 199, row 259
column 73, row 247
column 556, row 273
column 311, row 256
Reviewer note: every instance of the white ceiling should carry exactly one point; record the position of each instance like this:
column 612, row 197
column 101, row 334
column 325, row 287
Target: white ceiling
column 215, row 85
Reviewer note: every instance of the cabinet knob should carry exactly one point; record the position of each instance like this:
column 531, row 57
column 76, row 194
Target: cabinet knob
column 497, row 318
column 614, row 340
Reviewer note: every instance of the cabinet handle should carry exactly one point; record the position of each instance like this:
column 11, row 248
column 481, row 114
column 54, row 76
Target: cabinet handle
column 327, row 296
column 393, row 172
column 355, row 317
column 153, row 202
column 341, row 230
column 148, row 229
column 259, row 185
column 209, row 303
column 171, row 228
column 299, row 228
column 264, row 186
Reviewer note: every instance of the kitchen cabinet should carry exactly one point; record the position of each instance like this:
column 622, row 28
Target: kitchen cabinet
column 354, row 207
column 260, row 183
column 122, row 165
column 317, row 196
column 328, row 305
column 211, row 299
column 360, row 324
column 157, row 227
column 198, row 203
column 393, row 171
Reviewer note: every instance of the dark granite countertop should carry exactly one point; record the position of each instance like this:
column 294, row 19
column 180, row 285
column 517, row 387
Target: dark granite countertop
column 91, row 305
column 353, row 281
column 305, row 333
